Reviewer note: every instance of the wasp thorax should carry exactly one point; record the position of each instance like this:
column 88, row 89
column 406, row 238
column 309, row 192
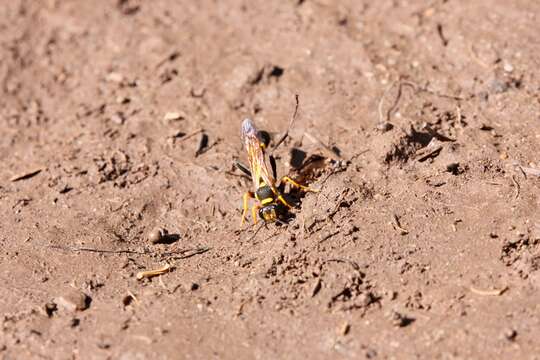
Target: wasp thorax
column 264, row 192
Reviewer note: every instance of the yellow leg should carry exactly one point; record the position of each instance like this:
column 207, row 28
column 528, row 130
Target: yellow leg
column 297, row 185
column 284, row 202
column 254, row 213
column 247, row 196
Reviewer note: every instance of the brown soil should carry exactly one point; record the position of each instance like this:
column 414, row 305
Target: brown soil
column 423, row 242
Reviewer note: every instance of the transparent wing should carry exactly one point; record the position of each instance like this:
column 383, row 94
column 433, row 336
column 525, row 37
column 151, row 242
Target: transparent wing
column 256, row 156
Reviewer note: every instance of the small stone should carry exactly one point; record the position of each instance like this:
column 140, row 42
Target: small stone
column 122, row 100
column 510, row 334
column 173, row 116
column 157, row 235
column 115, row 77
column 384, row 126
column 398, row 319
column 118, row 118
column 75, row 300
column 50, row 308
column 508, row 67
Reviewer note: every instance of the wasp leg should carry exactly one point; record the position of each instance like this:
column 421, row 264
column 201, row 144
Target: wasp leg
column 284, row 202
column 254, row 211
column 297, row 185
column 242, row 168
column 247, row 196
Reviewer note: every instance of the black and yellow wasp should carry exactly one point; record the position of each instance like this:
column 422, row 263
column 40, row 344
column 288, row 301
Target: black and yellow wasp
column 271, row 205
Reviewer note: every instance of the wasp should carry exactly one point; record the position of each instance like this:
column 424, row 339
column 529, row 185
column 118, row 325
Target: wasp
column 271, row 206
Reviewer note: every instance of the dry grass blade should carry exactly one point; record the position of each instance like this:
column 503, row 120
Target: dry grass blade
column 151, row 273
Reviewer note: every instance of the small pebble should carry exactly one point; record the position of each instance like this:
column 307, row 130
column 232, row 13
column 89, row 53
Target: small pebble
column 115, row 77
column 157, row 235
column 74, row 300
column 172, row 116
column 117, row 118
column 399, row 320
column 122, row 100
column 384, row 126
column 50, row 308
column 510, row 334
column 508, row 68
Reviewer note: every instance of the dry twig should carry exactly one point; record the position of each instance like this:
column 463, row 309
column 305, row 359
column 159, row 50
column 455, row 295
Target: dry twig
column 151, row 273
column 496, row 292
column 516, row 184
column 25, row 176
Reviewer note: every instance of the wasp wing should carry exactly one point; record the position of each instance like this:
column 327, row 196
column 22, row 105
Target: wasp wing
column 256, row 156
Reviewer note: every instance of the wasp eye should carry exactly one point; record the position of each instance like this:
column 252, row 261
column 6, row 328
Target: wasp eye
column 268, row 213
column 264, row 138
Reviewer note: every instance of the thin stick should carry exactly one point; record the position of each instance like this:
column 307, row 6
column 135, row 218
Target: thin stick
column 381, row 101
column 328, row 236
column 133, row 296
column 328, row 150
column 185, row 252
column 530, row 171
column 256, row 232
column 101, row 251
column 476, row 57
column 25, row 176
column 392, row 108
column 459, row 116
column 291, row 122
column 516, row 184
column 191, row 135
column 417, row 88
column 397, row 225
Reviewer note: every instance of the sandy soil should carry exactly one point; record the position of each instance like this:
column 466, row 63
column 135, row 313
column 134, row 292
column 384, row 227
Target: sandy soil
column 118, row 117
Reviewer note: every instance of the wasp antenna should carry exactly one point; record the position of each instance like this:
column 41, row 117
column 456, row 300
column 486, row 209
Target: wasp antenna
column 291, row 122
column 257, row 231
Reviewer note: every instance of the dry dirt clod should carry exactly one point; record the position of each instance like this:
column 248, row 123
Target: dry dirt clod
column 74, row 300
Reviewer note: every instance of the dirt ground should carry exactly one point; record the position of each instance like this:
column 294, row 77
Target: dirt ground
column 419, row 121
